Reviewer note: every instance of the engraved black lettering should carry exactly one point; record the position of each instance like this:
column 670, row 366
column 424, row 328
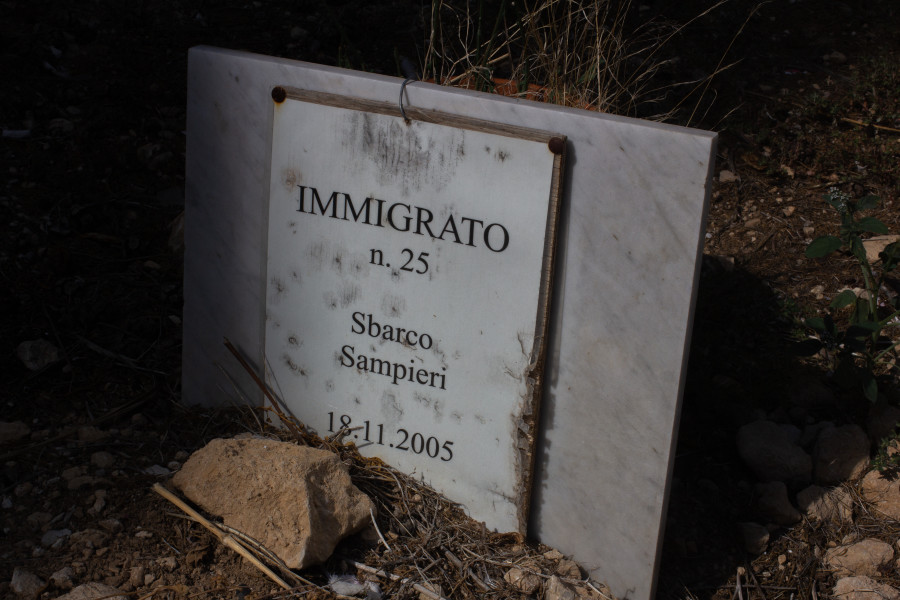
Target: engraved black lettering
column 504, row 237
column 420, row 222
column 406, row 220
column 357, row 321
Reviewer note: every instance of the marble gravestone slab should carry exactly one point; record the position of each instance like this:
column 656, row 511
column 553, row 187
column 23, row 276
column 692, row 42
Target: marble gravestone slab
column 407, row 281
column 630, row 233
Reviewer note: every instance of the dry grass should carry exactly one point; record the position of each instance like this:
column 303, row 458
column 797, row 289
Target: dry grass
column 581, row 53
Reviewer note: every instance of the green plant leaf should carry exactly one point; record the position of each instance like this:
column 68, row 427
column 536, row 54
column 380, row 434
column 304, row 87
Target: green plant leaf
column 858, row 250
column 862, row 330
column 845, row 298
column 807, row 347
column 823, row 246
column 890, row 256
column 872, row 225
column 867, row 202
column 870, row 386
column 816, row 323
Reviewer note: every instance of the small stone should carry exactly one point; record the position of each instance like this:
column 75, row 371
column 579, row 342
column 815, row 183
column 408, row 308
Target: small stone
column 876, row 245
column 157, row 471
column 80, row 482
column 181, row 456
column 568, row 569
column 71, row 473
column 863, row 588
column 98, row 506
column 841, row 453
column 883, row 493
column 38, row 519
column 726, row 176
column 833, row 505
column 26, row 584
column 774, row 504
column 149, row 578
column 90, row 434
column 23, row 489
column 102, row 460
column 173, row 465
column 64, row 578
column 525, row 582
column 770, row 453
column 168, row 563
column 136, row 577
column 53, row 536
column 835, row 57
column 94, row 591
column 557, row 590
column 13, row 432
column 37, row 354
column 788, row 210
column 111, row 525
column 91, row 538
column 862, row 558
column 808, row 230
column 554, row 555
column 756, row 537
column 143, row 534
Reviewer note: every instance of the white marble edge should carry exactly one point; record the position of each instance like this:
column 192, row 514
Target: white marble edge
column 630, row 571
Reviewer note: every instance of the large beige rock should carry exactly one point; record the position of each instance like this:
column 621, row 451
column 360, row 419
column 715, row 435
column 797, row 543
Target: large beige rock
column 862, row 558
column 841, row 453
column 883, row 493
column 296, row 501
column 863, row 588
column 834, row 505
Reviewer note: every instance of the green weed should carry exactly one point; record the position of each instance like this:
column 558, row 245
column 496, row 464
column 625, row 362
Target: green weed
column 860, row 350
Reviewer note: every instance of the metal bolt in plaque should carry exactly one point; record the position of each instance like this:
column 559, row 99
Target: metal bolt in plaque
column 407, row 288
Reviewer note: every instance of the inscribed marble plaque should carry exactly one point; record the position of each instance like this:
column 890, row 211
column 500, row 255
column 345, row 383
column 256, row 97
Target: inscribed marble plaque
column 406, row 289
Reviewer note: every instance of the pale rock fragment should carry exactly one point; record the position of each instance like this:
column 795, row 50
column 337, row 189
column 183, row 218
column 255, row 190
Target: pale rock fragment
column 555, row 589
column 524, row 581
column 862, row 558
column 883, row 493
column 726, row 176
column 834, row 505
column 94, row 591
column 296, row 501
column 876, row 245
column 26, row 584
column 863, row 588
column 63, row 579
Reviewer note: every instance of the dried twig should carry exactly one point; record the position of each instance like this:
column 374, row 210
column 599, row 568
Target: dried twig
column 419, row 588
column 224, row 538
column 378, row 531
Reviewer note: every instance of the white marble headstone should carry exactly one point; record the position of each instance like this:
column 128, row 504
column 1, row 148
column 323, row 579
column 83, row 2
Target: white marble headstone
column 630, row 236
column 406, row 287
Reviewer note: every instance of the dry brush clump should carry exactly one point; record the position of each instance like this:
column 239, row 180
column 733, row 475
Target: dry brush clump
column 595, row 54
